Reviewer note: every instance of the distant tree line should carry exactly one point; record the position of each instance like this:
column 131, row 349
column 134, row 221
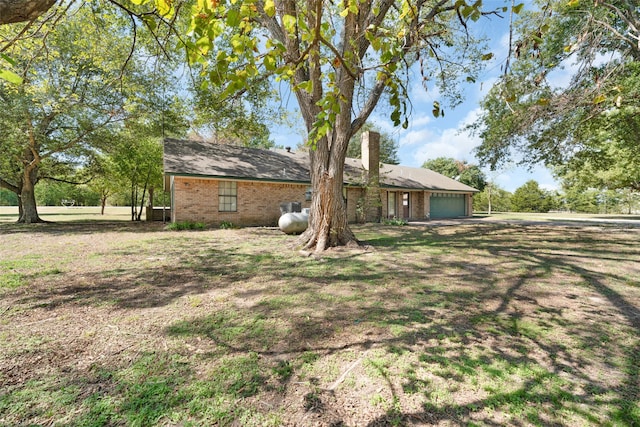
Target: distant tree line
column 575, row 195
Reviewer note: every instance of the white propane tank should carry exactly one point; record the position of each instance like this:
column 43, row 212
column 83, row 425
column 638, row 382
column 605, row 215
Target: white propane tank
column 294, row 222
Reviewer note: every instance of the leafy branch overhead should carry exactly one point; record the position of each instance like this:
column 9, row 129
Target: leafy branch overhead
column 24, row 20
column 317, row 47
column 531, row 110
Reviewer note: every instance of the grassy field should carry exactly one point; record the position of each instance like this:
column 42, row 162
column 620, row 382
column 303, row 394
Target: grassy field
column 72, row 213
column 473, row 323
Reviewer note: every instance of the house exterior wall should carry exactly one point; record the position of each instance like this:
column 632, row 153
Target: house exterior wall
column 353, row 199
column 416, row 204
column 258, row 203
column 419, row 204
column 426, row 196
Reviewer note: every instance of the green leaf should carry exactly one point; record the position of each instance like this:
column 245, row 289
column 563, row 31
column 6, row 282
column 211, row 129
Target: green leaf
column 8, row 59
column 599, row 99
column 203, row 44
column 518, row 8
column 10, row 76
column 344, row 13
column 395, row 117
column 214, row 77
column 487, row 56
column 270, row 8
column 289, row 23
column 233, row 18
column 269, row 63
column 237, row 44
column 150, row 22
column 436, row 109
column 164, row 7
column 306, row 86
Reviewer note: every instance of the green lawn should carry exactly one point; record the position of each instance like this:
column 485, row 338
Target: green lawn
column 475, row 323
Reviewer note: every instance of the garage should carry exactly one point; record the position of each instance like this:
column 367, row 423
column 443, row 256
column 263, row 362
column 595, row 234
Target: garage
column 447, row 205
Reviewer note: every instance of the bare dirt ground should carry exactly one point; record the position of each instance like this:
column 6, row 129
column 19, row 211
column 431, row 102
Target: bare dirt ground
column 466, row 323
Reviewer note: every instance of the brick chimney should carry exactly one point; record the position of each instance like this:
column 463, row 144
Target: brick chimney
column 370, row 155
column 370, row 149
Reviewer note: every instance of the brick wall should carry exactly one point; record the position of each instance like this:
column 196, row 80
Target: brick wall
column 196, row 199
column 353, row 197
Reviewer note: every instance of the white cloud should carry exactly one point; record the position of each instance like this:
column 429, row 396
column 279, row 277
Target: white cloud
column 420, row 121
column 413, row 137
column 427, row 143
column 449, row 143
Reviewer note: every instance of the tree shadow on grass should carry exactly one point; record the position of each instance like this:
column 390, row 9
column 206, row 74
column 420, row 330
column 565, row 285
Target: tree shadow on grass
column 96, row 227
column 579, row 395
column 514, row 319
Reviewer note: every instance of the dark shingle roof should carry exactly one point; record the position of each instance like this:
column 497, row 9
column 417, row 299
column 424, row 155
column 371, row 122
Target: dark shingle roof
column 196, row 158
column 183, row 157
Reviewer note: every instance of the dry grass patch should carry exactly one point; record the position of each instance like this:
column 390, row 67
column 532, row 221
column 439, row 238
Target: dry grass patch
column 474, row 323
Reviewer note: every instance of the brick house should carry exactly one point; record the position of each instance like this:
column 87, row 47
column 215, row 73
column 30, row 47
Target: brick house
column 213, row 183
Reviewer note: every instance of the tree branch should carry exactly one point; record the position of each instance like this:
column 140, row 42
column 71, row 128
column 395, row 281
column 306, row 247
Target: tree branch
column 14, row 11
column 51, row 178
column 7, row 185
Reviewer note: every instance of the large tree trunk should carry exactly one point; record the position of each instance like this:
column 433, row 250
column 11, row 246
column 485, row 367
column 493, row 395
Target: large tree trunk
column 328, row 225
column 12, row 11
column 27, row 200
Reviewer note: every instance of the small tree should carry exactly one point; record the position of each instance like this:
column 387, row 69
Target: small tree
column 492, row 199
column 138, row 167
column 531, row 198
column 103, row 181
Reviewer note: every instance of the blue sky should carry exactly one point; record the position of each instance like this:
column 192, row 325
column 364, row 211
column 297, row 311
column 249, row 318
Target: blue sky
column 428, row 137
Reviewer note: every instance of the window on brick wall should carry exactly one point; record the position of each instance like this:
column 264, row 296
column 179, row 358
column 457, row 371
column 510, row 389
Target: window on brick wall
column 391, row 204
column 227, row 196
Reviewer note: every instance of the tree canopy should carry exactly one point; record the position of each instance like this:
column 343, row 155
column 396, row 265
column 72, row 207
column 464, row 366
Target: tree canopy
column 531, row 198
column 586, row 124
column 80, row 87
column 89, row 84
column 462, row 171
